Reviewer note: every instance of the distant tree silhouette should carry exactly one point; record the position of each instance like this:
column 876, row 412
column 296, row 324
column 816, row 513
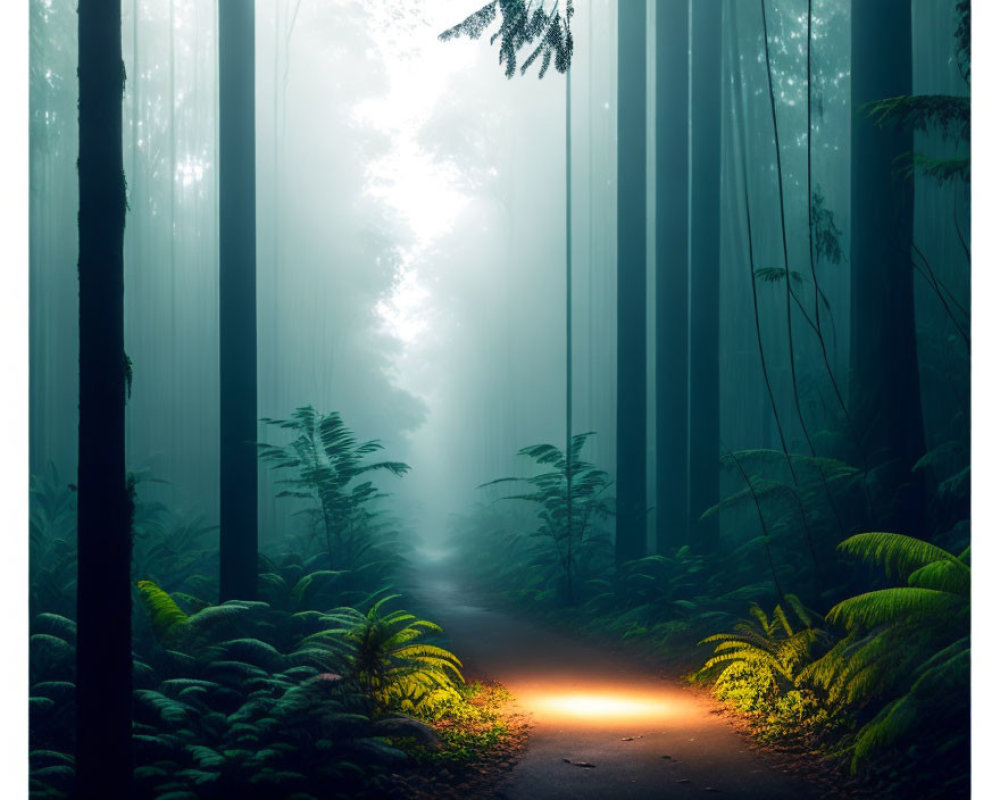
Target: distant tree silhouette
column 706, row 159
column 884, row 382
column 237, row 304
column 672, row 324
column 630, row 526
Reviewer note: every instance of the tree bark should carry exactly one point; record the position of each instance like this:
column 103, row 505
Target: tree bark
column 672, row 145
column 104, row 598
column 237, row 303
column 884, row 379
column 630, row 528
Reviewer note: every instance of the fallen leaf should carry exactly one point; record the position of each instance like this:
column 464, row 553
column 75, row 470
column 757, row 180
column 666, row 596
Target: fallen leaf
column 585, row 764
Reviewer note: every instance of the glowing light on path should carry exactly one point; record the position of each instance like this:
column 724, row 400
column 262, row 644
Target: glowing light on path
column 605, row 705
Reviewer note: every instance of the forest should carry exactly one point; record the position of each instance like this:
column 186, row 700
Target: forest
column 512, row 399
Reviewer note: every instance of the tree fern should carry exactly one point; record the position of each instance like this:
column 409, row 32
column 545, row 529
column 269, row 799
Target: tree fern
column 326, row 463
column 569, row 519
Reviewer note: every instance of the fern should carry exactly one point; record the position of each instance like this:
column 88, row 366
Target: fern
column 569, row 498
column 889, row 605
column 762, row 658
column 947, row 113
column 905, row 648
column 164, row 613
column 326, row 462
column 897, row 554
column 522, row 24
column 386, row 659
column 940, row 679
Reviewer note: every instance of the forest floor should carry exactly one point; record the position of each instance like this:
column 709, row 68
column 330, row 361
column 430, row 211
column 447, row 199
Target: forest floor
column 595, row 721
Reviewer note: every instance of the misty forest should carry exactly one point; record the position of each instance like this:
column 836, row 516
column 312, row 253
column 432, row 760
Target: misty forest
column 536, row 399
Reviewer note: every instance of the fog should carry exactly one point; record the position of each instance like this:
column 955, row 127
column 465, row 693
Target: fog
column 411, row 230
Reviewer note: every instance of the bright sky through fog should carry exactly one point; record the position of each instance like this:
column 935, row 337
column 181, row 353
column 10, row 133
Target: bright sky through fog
column 418, row 67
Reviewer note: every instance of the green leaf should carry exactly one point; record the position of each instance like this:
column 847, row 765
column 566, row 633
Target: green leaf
column 897, row 554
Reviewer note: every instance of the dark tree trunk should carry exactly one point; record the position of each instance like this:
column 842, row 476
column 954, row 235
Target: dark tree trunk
column 672, row 512
column 885, row 386
column 104, row 595
column 630, row 535
column 237, row 303
column 706, row 127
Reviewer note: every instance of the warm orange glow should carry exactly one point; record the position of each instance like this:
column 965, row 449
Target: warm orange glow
column 604, row 704
column 586, row 705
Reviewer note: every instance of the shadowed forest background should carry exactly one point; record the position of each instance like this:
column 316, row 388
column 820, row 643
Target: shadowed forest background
column 657, row 334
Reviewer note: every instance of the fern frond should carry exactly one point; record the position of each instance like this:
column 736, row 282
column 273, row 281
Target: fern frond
column 936, row 687
column 948, row 113
column 897, row 554
column 943, row 576
column 805, row 616
column 890, row 605
column 253, row 651
column 164, row 613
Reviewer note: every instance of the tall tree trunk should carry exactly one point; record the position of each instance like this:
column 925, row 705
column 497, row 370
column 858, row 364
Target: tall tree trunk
column 630, row 535
column 885, row 386
column 672, row 511
column 571, row 594
column 237, row 303
column 104, row 595
column 706, row 127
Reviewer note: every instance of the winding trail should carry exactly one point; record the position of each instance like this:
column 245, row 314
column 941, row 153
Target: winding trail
column 603, row 727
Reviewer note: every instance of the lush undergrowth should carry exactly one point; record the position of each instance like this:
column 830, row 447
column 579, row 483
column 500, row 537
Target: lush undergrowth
column 241, row 699
column 873, row 643
column 321, row 687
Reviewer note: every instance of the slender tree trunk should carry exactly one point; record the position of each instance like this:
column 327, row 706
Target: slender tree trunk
column 672, row 145
column 237, row 303
column 706, row 127
column 630, row 535
column 569, row 334
column 885, row 384
column 104, row 596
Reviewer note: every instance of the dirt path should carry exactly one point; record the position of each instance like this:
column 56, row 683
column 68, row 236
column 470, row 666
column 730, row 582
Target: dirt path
column 603, row 728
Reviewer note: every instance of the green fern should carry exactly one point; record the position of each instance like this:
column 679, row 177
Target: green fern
column 760, row 659
column 384, row 656
column 905, row 648
column 570, row 500
column 897, row 554
column 947, row 113
column 941, row 678
column 327, row 464
column 164, row 613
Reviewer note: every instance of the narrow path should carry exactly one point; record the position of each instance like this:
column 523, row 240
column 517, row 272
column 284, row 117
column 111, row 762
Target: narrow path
column 603, row 727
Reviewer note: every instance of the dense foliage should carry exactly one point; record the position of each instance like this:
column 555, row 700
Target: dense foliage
column 321, row 689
